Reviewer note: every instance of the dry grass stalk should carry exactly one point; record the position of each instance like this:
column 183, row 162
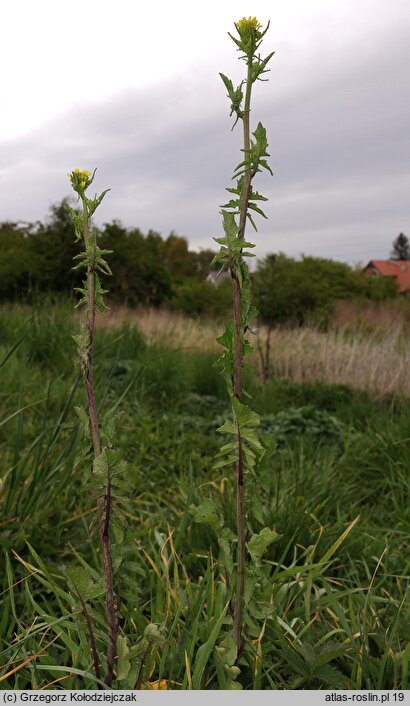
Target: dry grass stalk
column 161, row 326
column 375, row 363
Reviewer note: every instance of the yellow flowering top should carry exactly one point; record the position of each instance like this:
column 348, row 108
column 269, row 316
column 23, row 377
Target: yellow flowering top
column 247, row 23
column 80, row 179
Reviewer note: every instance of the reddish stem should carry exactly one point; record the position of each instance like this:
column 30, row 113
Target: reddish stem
column 104, row 503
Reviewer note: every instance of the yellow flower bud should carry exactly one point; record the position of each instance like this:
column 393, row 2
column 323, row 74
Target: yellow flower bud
column 80, row 179
column 250, row 23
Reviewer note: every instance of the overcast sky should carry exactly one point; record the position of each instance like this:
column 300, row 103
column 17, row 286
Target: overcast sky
column 133, row 89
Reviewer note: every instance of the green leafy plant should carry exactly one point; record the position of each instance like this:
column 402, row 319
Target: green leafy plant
column 244, row 449
column 310, row 668
column 98, row 449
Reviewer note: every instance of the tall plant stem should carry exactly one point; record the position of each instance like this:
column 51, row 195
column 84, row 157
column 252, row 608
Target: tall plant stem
column 246, row 148
column 104, row 503
column 89, row 378
column 237, row 379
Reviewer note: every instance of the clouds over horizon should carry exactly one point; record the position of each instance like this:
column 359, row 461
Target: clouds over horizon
column 338, row 135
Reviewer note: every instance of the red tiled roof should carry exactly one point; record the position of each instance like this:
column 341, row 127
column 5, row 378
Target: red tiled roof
column 400, row 269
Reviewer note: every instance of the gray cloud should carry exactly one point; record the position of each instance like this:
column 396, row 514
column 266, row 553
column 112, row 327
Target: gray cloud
column 338, row 140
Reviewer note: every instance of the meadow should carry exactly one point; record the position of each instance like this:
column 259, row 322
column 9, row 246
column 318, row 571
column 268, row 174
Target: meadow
column 140, row 549
column 365, row 347
column 336, row 491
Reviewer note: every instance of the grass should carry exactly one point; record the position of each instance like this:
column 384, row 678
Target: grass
column 373, row 357
column 338, row 613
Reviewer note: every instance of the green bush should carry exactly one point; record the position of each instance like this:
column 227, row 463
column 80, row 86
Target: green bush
column 139, row 277
column 200, row 297
column 298, row 291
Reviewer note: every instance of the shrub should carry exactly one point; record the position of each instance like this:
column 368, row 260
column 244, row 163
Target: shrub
column 295, row 291
column 196, row 298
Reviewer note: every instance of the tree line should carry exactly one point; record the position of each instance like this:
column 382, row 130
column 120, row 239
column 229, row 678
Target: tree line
column 37, row 259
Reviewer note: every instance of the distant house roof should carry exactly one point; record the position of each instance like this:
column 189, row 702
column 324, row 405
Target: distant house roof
column 400, row 269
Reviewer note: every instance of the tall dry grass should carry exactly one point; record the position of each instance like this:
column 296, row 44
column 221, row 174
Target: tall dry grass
column 376, row 318
column 378, row 366
column 377, row 361
column 161, row 326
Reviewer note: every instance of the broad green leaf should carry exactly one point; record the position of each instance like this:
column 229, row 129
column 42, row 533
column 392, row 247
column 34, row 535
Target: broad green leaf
column 261, row 140
column 258, row 543
column 265, row 165
column 330, row 651
column 84, row 419
column 228, row 83
column 123, row 662
column 206, row 513
column 82, row 583
column 228, row 427
column 251, row 436
column 250, row 458
column 229, row 224
column 228, row 337
column 244, row 415
column 228, row 461
column 153, row 633
column 256, row 508
column 227, row 448
column 100, row 465
column 80, row 579
column 227, row 651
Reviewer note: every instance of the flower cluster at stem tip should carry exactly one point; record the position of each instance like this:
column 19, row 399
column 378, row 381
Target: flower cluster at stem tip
column 247, row 24
column 80, row 179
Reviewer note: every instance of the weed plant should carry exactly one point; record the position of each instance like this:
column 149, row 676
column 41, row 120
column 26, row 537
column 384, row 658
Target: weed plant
column 301, row 582
column 98, row 448
column 244, row 449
